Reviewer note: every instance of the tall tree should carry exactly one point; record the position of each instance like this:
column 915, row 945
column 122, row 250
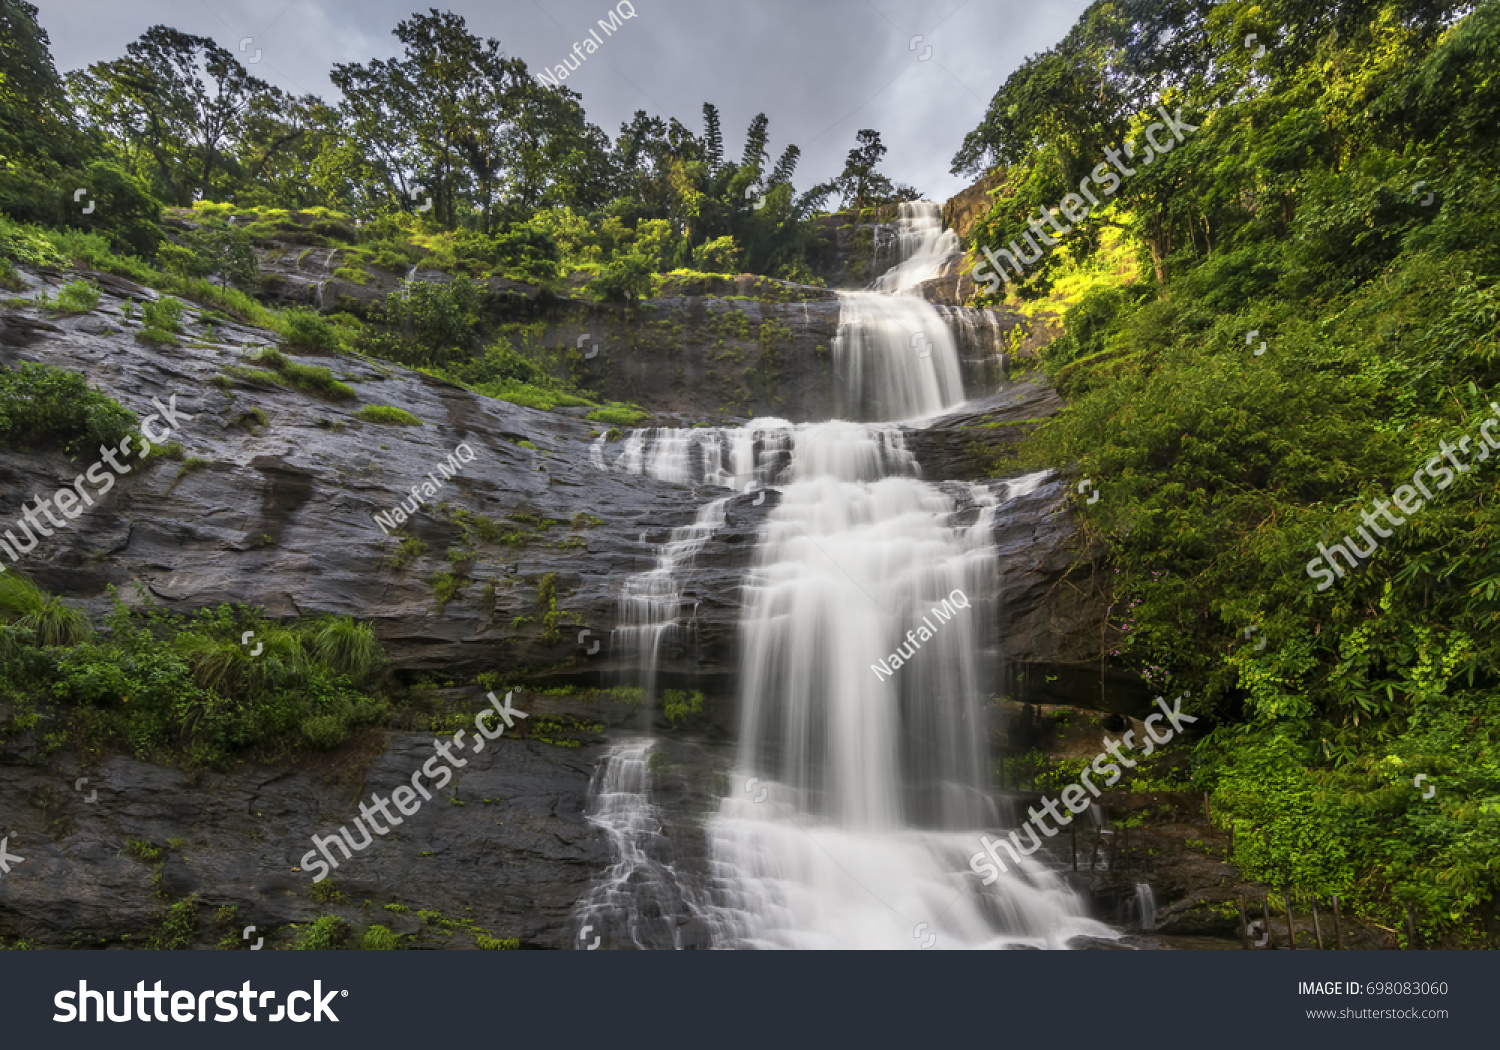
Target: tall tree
column 860, row 183
column 174, row 104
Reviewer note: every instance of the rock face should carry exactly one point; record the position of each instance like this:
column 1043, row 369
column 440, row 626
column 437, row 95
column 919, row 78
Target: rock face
column 512, row 853
column 968, row 205
column 273, row 502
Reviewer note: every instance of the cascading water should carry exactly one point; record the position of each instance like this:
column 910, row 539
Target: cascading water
column 861, row 781
column 894, row 350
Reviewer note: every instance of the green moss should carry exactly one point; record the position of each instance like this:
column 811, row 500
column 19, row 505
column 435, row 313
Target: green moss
column 617, row 414
column 387, row 415
column 410, row 547
column 312, row 379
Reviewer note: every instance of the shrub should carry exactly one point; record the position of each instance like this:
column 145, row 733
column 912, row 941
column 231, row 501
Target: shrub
column 624, row 278
column 308, row 328
column 42, row 405
column 164, row 313
column 177, row 927
column 77, row 297
column 720, row 255
column 445, row 586
column 27, row 245
column 425, row 323
column 679, row 705
column 213, row 250
column 345, row 645
column 410, row 547
column 387, row 415
column 27, row 606
column 380, row 939
column 496, row 944
column 326, row 933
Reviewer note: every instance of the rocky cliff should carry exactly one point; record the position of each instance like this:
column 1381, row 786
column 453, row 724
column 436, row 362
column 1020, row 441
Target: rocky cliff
column 271, row 500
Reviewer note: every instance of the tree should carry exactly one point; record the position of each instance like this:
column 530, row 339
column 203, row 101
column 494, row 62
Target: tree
column 38, row 136
column 859, row 183
column 173, row 106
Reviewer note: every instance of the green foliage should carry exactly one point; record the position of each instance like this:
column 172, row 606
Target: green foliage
column 485, row 942
column 164, row 314
column 380, row 939
column 43, row 406
column 445, row 587
column 1291, row 218
column 623, row 279
column 425, row 324
column 77, row 297
column 679, row 705
column 26, row 245
column 26, row 606
column 346, row 646
column 325, row 933
column 387, row 415
column 177, row 928
column 326, row 892
column 143, row 850
column 187, row 688
column 313, row 379
column 307, row 328
column 213, row 250
column 720, row 255
column 410, row 547
column 620, row 415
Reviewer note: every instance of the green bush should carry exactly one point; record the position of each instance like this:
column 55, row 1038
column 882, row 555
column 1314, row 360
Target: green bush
column 77, row 297
column 388, row 415
column 25, row 605
column 326, row 933
column 346, row 646
column 27, row 245
column 624, row 278
column 42, row 406
column 214, row 250
column 300, row 327
column 679, row 705
column 425, row 323
column 380, row 939
column 720, row 255
column 487, row 943
column 187, row 689
column 164, row 313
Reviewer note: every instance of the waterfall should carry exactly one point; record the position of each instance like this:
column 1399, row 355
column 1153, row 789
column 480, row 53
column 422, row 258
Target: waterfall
column 613, row 915
column 861, row 782
column 651, row 603
column 1145, row 906
column 894, row 350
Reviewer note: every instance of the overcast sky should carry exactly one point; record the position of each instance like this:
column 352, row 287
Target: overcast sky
column 819, row 69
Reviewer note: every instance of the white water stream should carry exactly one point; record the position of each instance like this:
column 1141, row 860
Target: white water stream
column 857, row 797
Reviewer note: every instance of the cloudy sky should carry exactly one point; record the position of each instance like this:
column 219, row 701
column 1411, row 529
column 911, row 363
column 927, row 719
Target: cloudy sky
column 819, row 69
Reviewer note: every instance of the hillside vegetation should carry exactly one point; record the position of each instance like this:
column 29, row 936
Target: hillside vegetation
column 1312, row 321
